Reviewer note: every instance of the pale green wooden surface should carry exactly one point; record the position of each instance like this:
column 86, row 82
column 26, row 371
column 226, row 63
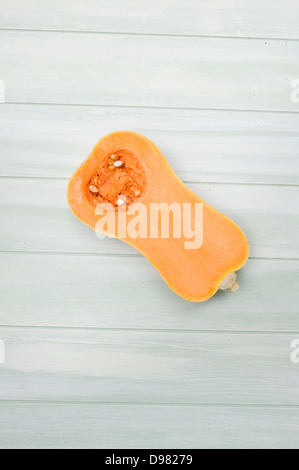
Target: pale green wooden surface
column 184, row 72
column 80, row 425
column 266, row 18
column 99, row 352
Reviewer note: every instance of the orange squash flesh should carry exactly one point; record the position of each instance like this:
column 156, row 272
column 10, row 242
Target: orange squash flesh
column 146, row 177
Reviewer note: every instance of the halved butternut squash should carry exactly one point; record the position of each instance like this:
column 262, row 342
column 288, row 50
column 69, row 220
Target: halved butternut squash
column 125, row 170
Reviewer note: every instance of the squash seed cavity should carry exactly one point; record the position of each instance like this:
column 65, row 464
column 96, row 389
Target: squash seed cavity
column 120, row 180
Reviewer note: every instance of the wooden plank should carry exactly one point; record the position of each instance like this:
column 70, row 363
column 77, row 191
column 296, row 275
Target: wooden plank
column 148, row 367
column 206, row 146
column 126, row 292
column 37, row 218
column 194, row 17
column 56, row 426
column 149, row 71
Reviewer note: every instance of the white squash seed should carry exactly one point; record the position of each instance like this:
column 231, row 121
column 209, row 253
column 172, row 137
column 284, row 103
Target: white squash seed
column 118, row 164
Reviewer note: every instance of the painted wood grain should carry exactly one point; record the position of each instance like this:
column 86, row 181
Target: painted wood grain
column 148, row 71
column 38, row 218
column 148, row 367
column 127, row 292
column 55, row 425
column 193, row 17
column 206, row 146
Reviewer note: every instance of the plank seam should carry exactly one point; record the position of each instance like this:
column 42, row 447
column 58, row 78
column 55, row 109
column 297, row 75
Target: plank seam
column 152, row 330
column 178, row 108
column 158, row 404
column 233, row 183
column 114, row 255
column 170, row 35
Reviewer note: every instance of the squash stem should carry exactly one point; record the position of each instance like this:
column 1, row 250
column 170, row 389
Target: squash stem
column 230, row 283
column 234, row 287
